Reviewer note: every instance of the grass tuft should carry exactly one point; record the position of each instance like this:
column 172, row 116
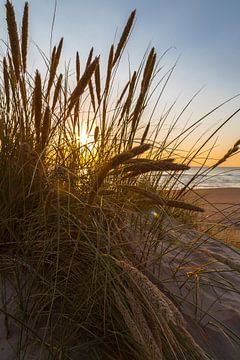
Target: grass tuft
column 75, row 191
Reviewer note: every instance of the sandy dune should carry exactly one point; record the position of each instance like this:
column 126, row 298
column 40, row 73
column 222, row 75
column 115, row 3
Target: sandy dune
column 219, row 203
column 200, row 273
column 222, row 212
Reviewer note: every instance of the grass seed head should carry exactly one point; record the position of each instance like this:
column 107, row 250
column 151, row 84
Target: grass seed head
column 124, row 37
column 13, row 37
column 24, row 44
column 37, row 105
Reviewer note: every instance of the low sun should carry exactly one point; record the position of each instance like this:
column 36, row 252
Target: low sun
column 83, row 138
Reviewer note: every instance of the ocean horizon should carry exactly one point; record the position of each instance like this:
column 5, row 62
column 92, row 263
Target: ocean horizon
column 220, row 177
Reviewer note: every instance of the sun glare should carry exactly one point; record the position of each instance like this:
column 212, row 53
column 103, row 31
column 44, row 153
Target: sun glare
column 83, row 138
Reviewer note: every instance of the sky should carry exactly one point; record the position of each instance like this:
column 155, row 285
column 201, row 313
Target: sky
column 204, row 35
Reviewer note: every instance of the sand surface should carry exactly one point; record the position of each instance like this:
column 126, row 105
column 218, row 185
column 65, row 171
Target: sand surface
column 200, row 272
column 222, row 212
column 218, row 199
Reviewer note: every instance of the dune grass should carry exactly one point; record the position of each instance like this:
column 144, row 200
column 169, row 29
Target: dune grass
column 78, row 173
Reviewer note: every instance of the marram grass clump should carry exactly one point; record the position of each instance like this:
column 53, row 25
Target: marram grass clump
column 72, row 169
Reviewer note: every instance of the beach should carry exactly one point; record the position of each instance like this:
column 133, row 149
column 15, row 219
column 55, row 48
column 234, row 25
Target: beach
column 120, row 204
column 222, row 211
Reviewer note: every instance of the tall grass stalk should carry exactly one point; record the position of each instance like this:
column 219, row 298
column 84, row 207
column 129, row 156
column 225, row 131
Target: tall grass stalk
column 73, row 182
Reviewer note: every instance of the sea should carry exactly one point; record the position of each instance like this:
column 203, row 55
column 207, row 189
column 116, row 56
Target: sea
column 220, row 177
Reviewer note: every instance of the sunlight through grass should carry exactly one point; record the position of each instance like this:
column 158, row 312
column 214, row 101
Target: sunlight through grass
column 75, row 194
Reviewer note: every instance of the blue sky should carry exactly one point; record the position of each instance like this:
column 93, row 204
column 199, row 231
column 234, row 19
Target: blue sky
column 204, row 33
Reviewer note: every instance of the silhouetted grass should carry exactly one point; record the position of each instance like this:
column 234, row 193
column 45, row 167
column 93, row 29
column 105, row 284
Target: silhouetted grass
column 77, row 174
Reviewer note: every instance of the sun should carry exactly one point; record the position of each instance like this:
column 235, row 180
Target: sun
column 83, row 137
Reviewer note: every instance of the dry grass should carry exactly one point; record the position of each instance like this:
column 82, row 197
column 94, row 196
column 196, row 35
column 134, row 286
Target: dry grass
column 67, row 206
